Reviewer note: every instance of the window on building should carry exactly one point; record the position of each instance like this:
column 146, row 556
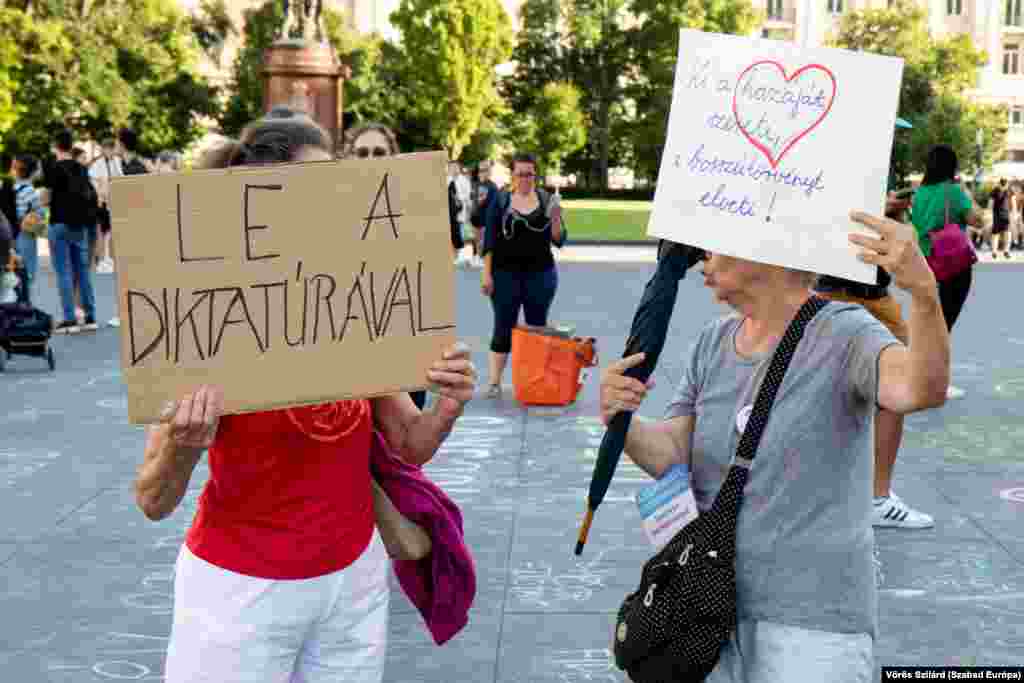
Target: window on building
column 1014, row 13
column 775, row 9
column 955, row 7
column 1011, row 59
column 835, row 6
column 1017, row 117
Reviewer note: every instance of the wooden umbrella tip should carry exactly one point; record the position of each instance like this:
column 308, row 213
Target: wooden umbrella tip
column 584, row 530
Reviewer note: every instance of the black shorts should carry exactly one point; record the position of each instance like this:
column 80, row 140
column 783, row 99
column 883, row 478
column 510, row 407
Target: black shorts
column 103, row 219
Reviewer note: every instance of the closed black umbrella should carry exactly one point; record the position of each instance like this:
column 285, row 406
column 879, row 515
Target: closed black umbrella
column 647, row 335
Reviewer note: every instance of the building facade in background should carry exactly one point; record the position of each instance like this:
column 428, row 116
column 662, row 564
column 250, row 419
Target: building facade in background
column 995, row 26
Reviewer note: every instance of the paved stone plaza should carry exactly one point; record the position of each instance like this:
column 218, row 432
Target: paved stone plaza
column 86, row 580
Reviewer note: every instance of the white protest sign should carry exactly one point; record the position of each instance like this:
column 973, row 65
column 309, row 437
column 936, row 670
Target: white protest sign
column 769, row 148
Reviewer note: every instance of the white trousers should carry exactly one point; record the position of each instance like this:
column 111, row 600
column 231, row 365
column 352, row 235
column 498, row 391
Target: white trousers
column 766, row 652
column 232, row 628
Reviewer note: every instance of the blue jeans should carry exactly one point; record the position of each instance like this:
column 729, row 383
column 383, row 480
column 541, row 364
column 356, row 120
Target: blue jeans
column 532, row 292
column 69, row 252
column 28, row 250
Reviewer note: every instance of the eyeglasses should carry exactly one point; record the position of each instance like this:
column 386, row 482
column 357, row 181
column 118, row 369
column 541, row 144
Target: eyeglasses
column 365, row 152
column 526, row 176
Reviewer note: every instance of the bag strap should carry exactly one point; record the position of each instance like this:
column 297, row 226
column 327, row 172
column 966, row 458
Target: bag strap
column 773, row 379
column 946, row 221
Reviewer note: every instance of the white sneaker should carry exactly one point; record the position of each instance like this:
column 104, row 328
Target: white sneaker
column 477, row 263
column 105, row 267
column 954, row 393
column 893, row 512
column 114, row 322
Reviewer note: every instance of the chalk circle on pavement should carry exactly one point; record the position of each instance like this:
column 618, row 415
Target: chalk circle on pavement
column 1015, row 495
column 1012, row 387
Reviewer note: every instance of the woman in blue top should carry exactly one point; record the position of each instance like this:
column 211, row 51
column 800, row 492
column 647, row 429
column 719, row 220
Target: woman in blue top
column 929, row 213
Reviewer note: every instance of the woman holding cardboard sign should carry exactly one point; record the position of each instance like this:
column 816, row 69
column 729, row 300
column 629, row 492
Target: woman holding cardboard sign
column 806, row 598
column 283, row 574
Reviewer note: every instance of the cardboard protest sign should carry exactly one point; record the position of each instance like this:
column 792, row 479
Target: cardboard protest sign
column 769, row 148
column 284, row 285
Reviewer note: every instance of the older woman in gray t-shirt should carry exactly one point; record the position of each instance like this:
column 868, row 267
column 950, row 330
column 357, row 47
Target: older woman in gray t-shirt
column 805, row 581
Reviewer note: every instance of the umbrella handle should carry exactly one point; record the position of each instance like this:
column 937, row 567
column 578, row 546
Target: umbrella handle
column 609, row 452
column 588, row 519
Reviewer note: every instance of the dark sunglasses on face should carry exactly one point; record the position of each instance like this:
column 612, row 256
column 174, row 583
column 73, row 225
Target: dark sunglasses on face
column 364, row 152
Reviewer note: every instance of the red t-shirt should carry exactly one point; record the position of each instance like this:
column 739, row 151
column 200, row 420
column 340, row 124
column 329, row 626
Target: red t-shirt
column 289, row 492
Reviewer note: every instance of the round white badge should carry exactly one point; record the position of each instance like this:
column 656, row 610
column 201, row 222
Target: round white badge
column 743, row 417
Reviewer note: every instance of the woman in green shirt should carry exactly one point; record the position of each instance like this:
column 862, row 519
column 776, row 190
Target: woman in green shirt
column 929, row 213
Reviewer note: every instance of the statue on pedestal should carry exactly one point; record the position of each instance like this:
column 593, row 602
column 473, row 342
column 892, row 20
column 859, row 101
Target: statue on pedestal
column 306, row 16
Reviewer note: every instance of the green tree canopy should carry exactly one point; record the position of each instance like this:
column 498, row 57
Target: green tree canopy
column 938, row 75
column 450, row 49
column 558, row 125
column 657, row 41
column 96, row 66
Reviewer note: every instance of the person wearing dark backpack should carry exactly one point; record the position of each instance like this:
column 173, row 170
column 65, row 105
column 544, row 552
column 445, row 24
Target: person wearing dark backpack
column 73, row 210
column 30, row 223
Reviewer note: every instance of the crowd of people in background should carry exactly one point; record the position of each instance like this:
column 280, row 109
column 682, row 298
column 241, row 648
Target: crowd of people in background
column 66, row 200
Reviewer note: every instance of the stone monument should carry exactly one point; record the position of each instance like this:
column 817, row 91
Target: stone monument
column 303, row 73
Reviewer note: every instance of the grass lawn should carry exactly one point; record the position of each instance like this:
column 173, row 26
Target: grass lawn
column 606, row 219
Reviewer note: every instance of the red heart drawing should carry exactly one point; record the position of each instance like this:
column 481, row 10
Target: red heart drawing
column 775, row 161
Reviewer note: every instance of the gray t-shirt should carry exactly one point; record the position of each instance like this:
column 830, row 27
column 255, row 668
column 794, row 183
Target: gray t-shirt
column 804, row 536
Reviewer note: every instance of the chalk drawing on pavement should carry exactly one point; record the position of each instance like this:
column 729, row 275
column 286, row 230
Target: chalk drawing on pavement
column 540, row 585
column 460, row 466
column 970, row 438
column 1014, row 495
column 593, row 664
column 17, row 466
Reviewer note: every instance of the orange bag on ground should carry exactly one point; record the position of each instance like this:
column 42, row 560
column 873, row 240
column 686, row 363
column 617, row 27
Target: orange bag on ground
column 546, row 365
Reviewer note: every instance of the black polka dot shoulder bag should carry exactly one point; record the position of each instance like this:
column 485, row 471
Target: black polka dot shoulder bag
column 673, row 627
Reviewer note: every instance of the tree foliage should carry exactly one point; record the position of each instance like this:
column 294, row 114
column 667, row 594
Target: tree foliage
column 621, row 54
column 96, row 66
column 657, row 41
column 558, row 125
column 938, row 75
column 450, row 50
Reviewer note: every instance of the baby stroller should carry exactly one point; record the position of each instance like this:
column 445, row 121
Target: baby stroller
column 24, row 330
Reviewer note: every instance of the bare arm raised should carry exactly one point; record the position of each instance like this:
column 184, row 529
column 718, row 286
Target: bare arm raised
column 914, row 377
column 173, row 449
